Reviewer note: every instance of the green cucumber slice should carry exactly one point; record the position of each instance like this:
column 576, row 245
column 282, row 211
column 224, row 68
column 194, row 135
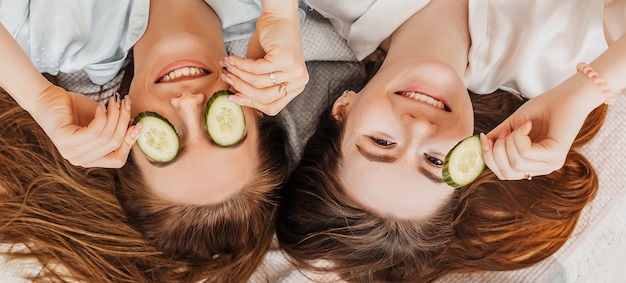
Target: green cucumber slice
column 464, row 163
column 225, row 120
column 158, row 139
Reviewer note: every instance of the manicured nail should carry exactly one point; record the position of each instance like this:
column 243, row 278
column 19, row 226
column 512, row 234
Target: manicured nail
column 484, row 141
column 136, row 130
column 226, row 79
column 237, row 99
column 229, row 61
column 127, row 102
column 116, row 95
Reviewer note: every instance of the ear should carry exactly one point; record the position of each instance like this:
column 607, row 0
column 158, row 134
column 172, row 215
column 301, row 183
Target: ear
column 338, row 111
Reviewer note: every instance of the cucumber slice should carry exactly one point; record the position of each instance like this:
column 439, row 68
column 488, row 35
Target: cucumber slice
column 158, row 139
column 225, row 120
column 464, row 163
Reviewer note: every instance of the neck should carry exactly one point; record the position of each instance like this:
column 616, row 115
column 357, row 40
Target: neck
column 169, row 17
column 438, row 31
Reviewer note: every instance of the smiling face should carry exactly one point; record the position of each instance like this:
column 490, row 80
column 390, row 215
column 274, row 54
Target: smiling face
column 397, row 132
column 176, row 72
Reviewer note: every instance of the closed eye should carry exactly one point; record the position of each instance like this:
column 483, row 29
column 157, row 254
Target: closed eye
column 433, row 160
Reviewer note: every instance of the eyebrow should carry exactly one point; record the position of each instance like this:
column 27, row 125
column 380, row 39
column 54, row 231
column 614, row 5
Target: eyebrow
column 375, row 157
column 431, row 176
column 390, row 159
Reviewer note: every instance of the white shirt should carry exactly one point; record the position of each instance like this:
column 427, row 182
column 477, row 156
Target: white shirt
column 527, row 46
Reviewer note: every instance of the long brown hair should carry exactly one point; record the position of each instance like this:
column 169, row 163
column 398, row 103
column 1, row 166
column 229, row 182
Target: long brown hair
column 489, row 225
column 69, row 219
column 234, row 233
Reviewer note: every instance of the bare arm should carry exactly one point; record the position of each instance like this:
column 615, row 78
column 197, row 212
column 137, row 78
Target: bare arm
column 85, row 133
column 18, row 76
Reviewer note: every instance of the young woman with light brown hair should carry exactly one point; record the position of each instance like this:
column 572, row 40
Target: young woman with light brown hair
column 488, row 225
column 369, row 195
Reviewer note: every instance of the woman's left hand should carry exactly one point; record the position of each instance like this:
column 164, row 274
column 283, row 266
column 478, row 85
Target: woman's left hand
column 274, row 72
column 535, row 139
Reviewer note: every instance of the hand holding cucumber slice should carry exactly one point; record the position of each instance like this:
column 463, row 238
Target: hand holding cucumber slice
column 158, row 139
column 464, row 163
column 225, row 119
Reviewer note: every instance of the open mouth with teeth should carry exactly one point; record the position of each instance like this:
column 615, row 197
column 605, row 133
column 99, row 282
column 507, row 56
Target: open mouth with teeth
column 184, row 73
column 421, row 97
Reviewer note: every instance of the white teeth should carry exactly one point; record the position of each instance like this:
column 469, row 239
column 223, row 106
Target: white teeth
column 182, row 72
column 424, row 98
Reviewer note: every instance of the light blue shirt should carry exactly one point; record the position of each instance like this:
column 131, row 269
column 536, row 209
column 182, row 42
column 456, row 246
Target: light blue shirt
column 72, row 35
column 95, row 36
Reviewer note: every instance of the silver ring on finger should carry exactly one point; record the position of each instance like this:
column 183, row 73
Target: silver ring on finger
column 273, row 78
column 282, row 89
column 528, row 176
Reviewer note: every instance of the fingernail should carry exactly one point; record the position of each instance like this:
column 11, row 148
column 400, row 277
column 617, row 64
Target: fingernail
column 229, row 61
column 226, row 79
column 484, row 142
column 136, row 131
column 117, row 99
column 224, row 67
column 103, row 107
column 237, row 99
column 127, row 102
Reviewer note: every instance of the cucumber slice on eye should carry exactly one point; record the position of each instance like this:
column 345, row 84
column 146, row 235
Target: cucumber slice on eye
column 225, row 120
column 464, row 163
column 158, row 139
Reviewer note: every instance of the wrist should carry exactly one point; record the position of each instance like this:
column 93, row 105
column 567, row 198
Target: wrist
column 583, row 93
column 33, row 106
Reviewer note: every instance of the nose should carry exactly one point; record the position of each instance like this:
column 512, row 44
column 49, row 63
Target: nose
column 187, row 99
column 420, row 125
column 190, row 107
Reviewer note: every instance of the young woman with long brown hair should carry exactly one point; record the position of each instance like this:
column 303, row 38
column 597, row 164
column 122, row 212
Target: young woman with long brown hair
column 209, row 212
column 369, row 196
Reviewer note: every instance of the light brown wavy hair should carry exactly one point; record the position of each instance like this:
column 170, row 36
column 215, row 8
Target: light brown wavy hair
column 488, row 225
column 69, row 218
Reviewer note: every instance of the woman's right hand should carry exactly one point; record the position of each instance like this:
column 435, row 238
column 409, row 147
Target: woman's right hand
column 86, row 133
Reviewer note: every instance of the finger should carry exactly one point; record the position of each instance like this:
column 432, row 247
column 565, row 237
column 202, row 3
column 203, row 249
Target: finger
column 257, row 81
column 70, row 138
column 116, row 158
column 100, row 142
column 272, row 108
column 262, row 95
column 499, row 159
column 123, row 122
column 517, row 143
column 113, row 115
column 504, row 160
column 257, row 66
